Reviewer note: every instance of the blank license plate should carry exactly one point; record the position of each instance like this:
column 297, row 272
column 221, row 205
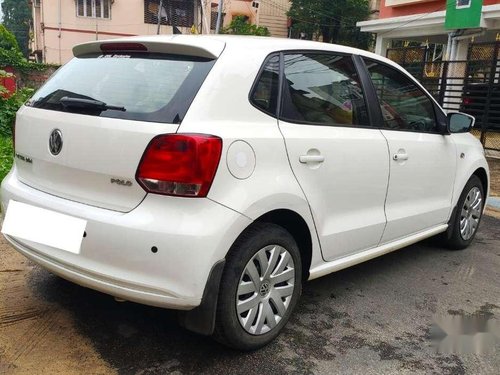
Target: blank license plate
column 43, row 226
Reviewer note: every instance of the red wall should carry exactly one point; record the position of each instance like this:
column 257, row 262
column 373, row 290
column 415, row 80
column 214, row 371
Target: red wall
column 427, row 7
column 8, row 83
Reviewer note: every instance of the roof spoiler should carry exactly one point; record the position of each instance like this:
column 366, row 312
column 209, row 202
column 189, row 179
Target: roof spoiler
column 197, row 46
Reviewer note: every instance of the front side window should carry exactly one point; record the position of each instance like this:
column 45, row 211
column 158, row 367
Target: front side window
column 265, row 93
column 323, row 89
column 404, row 105
column 179, row 13
column 93, row 8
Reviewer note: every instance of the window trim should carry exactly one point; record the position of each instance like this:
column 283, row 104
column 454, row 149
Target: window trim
column 464, row 6
column 438, row 111
column 192, row 13
column 322, row 52
column 93, row 9
column 257, row 79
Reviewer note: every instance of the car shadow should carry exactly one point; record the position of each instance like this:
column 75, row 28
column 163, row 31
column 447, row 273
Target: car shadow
column 133, row 337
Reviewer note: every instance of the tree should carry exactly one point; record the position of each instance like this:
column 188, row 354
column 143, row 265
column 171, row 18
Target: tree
column 7, row 39
column 335, row 21
column 10, row 53
column 239, row 25
column 17, row 18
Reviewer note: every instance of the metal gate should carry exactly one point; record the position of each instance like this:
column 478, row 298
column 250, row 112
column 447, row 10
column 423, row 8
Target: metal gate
column 471, row 86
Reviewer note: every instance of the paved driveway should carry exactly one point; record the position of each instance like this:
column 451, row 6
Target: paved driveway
column 371, row 319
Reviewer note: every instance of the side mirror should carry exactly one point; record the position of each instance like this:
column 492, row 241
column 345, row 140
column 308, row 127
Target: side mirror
column 457, row 122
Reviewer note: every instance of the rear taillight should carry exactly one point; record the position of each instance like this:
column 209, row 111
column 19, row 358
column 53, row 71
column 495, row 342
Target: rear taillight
column 180, row 164
column 467, row 101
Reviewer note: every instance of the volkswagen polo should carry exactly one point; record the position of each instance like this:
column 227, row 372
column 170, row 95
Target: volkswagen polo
column 214, row 175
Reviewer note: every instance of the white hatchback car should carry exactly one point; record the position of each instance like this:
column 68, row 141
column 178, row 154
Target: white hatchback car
column 215, row 174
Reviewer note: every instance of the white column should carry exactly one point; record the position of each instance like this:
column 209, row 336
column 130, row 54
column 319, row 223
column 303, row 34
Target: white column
column 381, row 45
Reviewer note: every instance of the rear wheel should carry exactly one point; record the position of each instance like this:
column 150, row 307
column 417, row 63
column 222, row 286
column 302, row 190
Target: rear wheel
column 468, row 215
column 259, row 289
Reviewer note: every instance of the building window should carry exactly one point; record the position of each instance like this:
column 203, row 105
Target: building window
column 93, row 8
column 179, row 13
column 463, row 4
column 213, row 19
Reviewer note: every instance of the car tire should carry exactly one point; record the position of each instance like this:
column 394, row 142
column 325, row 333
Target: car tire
column 271, row 255
column 467, row 218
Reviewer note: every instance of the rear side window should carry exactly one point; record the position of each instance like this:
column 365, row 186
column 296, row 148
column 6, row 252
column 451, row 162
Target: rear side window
column 143, row 87
column 265, row 93
column 323, row 89
column 404, row 105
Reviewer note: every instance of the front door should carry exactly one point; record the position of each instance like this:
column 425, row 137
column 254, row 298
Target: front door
column 423, row 161
column 339, row 160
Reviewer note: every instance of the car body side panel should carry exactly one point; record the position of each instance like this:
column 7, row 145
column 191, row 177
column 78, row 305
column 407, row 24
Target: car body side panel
column 347, row 190
column 421, row 187
column 271, row 185
column 472, row 159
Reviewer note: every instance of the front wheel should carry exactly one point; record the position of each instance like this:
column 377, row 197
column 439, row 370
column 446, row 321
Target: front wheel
column 260, row 287
column 468, row 215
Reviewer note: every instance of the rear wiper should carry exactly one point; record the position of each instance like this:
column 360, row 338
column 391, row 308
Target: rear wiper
column 88, row 103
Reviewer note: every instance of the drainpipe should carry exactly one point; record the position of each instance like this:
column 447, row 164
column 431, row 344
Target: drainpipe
column 160, row 8
column 454, row 43
column 60, row 32
column 204, row 21
column 448, row 46
column 459, row 35
column 42, row 29
column 219, row 17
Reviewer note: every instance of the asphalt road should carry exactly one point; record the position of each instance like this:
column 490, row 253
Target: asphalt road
column 374, row 318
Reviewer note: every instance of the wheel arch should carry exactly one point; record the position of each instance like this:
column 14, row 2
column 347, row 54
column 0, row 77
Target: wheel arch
column 294, row 224
column 483, row 176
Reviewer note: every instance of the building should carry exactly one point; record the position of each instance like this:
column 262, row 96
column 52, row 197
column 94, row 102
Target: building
column 424, row 21
column 58, row 25
column 459, row 65
column 374, row 9
column 273, row 15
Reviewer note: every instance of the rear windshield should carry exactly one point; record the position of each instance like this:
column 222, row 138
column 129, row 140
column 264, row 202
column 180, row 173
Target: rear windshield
column 142, row 87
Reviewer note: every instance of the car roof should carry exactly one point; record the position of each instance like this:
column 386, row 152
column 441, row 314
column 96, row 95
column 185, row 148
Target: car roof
column 211, row 46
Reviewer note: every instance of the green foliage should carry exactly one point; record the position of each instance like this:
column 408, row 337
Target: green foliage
column 11, row 55
column 6, row 156
column 9, row 107
column 17, row 18
column 335, row 20
column 240, row 26
column 7, row 39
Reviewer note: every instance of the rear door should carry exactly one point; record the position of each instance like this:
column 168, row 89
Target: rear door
column 82, row 135
column 339, row 159
column 423, row 161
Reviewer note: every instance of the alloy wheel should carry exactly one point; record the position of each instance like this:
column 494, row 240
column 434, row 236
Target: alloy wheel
column 471, row 213
column 265, row 289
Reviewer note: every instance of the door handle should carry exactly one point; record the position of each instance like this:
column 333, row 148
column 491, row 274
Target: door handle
column 311, row 159
column 400, row 156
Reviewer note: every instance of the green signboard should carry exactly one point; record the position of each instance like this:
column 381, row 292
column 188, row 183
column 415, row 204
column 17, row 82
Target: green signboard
column 463, row 14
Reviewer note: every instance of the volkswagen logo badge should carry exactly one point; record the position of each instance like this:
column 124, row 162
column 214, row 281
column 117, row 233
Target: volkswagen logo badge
column 55, row 142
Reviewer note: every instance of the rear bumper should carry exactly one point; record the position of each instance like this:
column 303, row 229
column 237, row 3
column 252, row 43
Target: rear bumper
column 191, row 235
